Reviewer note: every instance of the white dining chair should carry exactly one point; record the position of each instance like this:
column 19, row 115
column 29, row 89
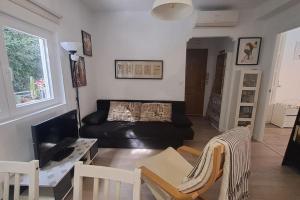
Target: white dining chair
column 14, row 170
column 107, row 174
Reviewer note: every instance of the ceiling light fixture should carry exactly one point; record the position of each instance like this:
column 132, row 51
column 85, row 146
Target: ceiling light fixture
column 172, row 9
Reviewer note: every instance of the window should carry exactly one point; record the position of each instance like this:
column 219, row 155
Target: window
column 30, row 74
column 3, row 102
column 28, row 62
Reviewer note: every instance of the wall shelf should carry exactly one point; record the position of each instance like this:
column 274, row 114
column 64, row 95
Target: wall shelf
column 249, row 84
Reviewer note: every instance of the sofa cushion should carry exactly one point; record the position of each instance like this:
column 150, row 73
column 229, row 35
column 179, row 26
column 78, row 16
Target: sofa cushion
column 181, row 121
column 178, row 107
column 156, row 112
column 132, row 130
column 124, row 111
column 94, row 118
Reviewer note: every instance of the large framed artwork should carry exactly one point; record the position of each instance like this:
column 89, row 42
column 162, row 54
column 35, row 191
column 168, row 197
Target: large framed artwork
column 248, row 51
column 78, row 73
column 138, row 69
column 87, row 43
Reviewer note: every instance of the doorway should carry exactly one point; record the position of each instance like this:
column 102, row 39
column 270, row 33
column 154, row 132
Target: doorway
column 214, row 106
column 285, row 97
column 196, row 63
column 210, row 75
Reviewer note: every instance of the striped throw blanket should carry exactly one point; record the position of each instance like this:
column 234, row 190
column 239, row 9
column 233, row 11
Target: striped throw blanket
column 236, row 170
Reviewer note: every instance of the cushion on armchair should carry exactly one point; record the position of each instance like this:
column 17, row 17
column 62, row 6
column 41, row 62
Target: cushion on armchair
column 94, row 118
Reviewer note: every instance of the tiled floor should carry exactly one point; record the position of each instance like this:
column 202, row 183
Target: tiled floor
column 268, row 181
column 277, row 138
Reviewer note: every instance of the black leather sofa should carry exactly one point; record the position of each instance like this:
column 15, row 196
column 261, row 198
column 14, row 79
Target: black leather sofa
column 120, row 134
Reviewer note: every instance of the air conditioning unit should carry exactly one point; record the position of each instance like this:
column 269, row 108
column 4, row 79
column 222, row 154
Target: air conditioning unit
column 219, row 18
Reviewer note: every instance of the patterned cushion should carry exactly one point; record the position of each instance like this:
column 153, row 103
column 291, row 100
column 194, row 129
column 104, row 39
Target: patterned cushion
column 124, row 111
column 156, row 112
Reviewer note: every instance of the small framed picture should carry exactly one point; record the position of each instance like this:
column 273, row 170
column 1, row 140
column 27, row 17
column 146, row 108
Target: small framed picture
column 87, row 43
column 248, row 51
column 78, row 73
column 138, row 69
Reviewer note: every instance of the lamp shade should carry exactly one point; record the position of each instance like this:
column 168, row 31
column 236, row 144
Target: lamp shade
column 72, row 47
column 172, row 9
column 74, row 57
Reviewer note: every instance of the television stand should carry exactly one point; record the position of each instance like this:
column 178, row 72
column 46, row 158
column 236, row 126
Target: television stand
column 55, row 178
column 63, row 153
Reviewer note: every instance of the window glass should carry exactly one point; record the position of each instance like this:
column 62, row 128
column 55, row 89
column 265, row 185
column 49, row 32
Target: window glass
column 28, row 62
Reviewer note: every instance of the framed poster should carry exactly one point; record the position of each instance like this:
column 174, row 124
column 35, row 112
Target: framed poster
column 138, row 69
column 78, row 73
column 87, row 43
column 248, row 51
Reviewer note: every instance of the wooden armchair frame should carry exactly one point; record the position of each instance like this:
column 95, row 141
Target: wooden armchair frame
column 218, row 160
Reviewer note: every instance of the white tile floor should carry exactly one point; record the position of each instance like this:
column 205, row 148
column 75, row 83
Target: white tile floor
column 277, row 138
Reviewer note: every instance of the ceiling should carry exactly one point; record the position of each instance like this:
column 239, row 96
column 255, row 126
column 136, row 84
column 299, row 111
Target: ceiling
column 145, row 5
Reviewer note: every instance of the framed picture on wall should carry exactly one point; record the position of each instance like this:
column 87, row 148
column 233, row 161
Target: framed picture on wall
column 78, row 73
column 138, row 69
column 87, row 43
column 248, row 51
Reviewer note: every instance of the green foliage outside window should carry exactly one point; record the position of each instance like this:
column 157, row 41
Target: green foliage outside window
column 24, row 56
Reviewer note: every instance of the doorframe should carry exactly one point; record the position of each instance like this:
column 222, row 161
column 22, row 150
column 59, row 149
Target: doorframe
column 274, row 79
column 277, row 64
column 228, row 85
column 275, row 69
column 227, row 96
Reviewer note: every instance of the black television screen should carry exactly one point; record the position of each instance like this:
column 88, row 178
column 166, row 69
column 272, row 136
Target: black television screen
column 49, row 134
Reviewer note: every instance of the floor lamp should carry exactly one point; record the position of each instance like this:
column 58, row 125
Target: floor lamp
column 72, row 48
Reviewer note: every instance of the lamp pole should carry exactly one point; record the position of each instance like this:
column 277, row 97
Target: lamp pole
column 78, row 106
column 76, row 87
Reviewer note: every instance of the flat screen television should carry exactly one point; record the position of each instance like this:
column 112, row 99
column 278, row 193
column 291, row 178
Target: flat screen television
column 52, row 138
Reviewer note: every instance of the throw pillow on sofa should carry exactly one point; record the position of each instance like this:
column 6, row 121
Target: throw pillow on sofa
column 156, row 112
column 94, row 118
column 124, row 111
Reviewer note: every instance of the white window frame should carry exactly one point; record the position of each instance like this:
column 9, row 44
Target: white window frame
column 3, row 100
column 7, row 100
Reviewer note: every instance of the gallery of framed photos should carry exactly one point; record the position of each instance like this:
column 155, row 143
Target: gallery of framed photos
column 249, row 85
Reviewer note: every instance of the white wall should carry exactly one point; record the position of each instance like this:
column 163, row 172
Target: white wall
column 137, row 35
column 288, row 78
column 16, row 141
column 285, row 19
column 214, row 46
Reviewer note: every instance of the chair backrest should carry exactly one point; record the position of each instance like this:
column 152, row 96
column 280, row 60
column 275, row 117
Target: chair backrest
column 107, row 174
column 11, row 169
column 217, row 171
